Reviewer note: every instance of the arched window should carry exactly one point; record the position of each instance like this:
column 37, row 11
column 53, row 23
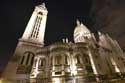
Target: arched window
column 35, row 31
column 66, row 60
column 51, row 61
column 42, row 62
column 58, row 60
column 27, row 58
column 32, row 59
column 85, row 58
column 77, row 59
column 66, row 57
column 35, row 61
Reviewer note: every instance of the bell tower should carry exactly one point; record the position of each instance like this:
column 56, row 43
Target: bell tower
column 35, row 29
column 20, row 65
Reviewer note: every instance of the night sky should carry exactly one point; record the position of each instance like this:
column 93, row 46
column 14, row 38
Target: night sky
column 62, row 15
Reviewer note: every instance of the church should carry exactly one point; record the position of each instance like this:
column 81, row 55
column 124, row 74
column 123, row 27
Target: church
column 86, row 60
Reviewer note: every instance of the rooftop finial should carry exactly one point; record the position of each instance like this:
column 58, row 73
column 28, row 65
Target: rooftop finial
column 42, row 5
column 82, row 24
column 99, row 33
column 78, row 22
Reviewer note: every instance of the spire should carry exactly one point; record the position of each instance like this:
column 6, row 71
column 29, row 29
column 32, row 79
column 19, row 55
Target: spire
column 99, row 33
column 82, row 25
column 43, row 5
column 78, row 22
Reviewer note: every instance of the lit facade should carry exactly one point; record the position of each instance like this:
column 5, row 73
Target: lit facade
column 82, row 61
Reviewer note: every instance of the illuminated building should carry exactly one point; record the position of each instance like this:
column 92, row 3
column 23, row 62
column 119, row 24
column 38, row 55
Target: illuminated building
column 81, row 61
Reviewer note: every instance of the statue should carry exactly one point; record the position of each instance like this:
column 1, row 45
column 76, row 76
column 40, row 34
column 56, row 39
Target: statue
column 78, row 22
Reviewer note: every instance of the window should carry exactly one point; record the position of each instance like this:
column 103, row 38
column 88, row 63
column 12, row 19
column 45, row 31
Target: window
column 77, row 59
column 51, row 62
column 26, row 63
column 42, row 62
column 58, row 60
column 22, row 60
column 27, row 58
column 85, row 57
column 32, row 60
column 35, row 31
column 66, row 59
column 35, row 61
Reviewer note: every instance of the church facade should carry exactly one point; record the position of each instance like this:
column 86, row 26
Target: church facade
column 85, row 60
